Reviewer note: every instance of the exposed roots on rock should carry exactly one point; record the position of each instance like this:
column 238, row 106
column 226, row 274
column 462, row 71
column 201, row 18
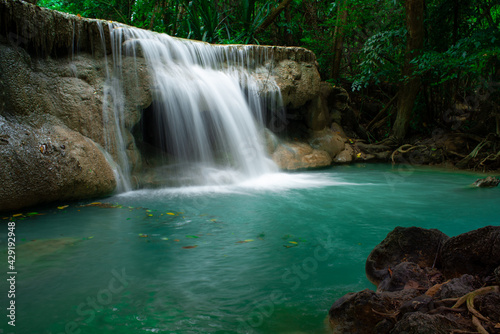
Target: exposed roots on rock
column 478, row 325
column 405, row 149
column 469, row 299
column 393, row 315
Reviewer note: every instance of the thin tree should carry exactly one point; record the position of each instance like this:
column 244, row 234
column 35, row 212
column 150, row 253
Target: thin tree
column 411, row 84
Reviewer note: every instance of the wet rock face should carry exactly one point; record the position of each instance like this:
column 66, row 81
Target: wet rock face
column 50, row 103
column 421, row 323
column 411, row 244
column 299, row 82
column 51, row 163
column 476, row 252
column 366, row 311
column 294, row 156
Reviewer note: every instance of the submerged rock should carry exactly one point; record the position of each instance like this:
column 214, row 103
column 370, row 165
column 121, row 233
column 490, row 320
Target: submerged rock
column 488, row 182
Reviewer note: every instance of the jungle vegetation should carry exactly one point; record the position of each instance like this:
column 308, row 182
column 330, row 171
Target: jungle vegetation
column 411, row 66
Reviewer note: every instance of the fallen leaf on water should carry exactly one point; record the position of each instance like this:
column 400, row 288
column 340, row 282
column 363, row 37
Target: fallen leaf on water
column 17, row 215
column 90, row 237
column 176, row 240
column 187, row 247
column 62, row 207
column 143, row 235
column 192, row 236
column 95, row 203
column 294, row 242
column 150, row 215
column 244, row 241
column 32, row 214
column 164, row 238
column 170, row 213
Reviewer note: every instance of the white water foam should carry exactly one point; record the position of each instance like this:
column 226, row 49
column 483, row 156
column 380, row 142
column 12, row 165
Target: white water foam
column 206, row 107
column 271, row 182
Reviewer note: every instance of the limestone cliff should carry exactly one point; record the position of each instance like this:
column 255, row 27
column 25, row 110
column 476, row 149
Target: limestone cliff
column 55, row 120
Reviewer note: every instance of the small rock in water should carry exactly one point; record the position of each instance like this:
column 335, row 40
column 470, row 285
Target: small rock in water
column 488, row 182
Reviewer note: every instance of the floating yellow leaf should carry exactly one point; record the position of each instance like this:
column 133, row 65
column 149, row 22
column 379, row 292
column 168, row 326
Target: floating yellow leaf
column 62, row 207
column 17, row 215
column 150, row 215
column 95, row 203
column 90, row 237
column 164, row 238
column 170, row 213
column 293, row 242
column 244, row 241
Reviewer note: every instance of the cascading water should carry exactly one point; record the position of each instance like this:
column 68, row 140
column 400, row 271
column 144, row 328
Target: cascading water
column 206, row 109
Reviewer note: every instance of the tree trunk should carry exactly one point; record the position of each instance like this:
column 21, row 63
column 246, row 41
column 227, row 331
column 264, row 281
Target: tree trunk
column 338, row 39
column 288, row 35
column 273, row 15
column 411, row 84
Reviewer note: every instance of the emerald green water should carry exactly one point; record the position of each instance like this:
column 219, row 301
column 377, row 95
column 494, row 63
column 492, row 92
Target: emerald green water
column 271, row 256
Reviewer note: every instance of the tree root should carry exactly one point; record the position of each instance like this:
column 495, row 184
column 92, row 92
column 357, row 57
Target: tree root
column 478, row 325
column 405, row 149
column 469, row 299
column 388, row 315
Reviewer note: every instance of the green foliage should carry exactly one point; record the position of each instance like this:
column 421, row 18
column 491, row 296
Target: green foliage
column 470, row 57
column 461, row 52
column 203, row 21
column 382, row 55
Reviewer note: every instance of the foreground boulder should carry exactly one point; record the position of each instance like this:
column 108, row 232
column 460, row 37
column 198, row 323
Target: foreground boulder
column 404, row 244
column 426, row 283
column 475, row 252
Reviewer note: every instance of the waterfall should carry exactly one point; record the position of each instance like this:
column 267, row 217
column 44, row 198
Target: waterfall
column 206, row 119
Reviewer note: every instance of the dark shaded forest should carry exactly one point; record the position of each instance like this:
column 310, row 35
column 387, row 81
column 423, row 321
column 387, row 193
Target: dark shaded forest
column 414, row 69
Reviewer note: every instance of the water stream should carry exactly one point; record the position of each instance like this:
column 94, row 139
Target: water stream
column 267, row 256
column 207, row 116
